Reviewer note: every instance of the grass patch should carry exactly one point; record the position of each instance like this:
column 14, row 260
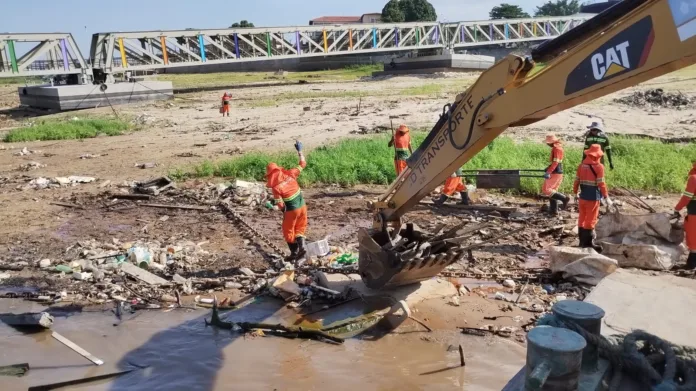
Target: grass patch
column 19, row 81
column 348, row 73
column 67, row 130
column 370, row 161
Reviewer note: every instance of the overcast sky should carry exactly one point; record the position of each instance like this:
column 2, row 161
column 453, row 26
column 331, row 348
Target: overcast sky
column 85, row 17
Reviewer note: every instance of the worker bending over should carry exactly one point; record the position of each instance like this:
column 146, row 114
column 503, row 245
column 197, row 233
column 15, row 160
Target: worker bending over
column 401, row 142
column 453, row 183
column 226, row 104
column 590, row 182
column 287, row 196
column 553, row 177
column 688, row 200
column 596, row 136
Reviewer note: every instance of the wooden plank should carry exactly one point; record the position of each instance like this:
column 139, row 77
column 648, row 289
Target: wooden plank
column 135, row 197
column 184, row 207
column 66, row 205
column 483, row 208
column 39, row 319
column 142, row 275
column 55, row 386
column 76, row 348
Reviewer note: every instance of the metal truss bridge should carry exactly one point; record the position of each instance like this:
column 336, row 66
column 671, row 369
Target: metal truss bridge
column 116, row 52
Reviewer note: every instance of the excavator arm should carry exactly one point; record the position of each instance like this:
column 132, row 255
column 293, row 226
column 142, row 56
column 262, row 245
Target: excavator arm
column 629, row 43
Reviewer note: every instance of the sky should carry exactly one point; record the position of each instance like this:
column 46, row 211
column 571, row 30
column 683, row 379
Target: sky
column 83, row 18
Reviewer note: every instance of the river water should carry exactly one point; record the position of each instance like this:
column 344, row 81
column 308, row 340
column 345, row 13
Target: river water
column 178, row 352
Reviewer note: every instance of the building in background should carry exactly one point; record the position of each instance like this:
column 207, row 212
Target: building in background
column 338, row 20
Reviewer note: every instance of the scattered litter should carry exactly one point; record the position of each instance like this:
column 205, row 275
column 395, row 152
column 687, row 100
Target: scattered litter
column 656, row 98
column 89, row 156
column 146, row 165
column 454, row 300
column 31, row 166
column 509, row 284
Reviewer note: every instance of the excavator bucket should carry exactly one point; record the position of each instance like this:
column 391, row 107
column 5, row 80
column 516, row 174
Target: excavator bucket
column 389, row 260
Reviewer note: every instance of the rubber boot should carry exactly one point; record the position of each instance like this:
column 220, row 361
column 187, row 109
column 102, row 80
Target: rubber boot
column 553, row 207
column 439, row 201
column 691, row 262
column 582, row 237
column 562, row 198
column 591, row 242
column 465, row 198
column 293, row 252
column 301, row 250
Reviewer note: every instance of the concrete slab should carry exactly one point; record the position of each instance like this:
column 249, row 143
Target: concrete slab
column 660, row 305
column 448, row 62
column 410, row 294
column 87, row 96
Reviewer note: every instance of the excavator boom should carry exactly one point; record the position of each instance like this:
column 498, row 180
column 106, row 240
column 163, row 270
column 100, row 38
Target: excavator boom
column 629, row 43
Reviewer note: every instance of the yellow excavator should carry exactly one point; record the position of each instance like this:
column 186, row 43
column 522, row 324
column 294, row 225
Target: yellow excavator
column 627, row 44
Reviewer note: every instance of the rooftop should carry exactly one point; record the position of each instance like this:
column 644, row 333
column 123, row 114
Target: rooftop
column 337, row 19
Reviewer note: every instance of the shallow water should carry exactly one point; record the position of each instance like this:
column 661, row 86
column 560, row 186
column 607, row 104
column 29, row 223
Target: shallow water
column 181, row 353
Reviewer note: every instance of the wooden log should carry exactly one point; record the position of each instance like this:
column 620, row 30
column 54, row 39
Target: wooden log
column 66, row 205
column 134, row 197
column 39, row 319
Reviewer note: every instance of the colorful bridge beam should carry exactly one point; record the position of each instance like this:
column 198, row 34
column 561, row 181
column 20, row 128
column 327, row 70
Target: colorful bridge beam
column 122, row 49
column 165, row 55
column 13, row 56
column 201, row 46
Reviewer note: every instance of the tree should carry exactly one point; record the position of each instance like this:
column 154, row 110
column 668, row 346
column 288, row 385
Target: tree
column 392, row 12
column 397, row 11
column 507, row 11
column 558, row 8
column 419, row 11
column 243, row 24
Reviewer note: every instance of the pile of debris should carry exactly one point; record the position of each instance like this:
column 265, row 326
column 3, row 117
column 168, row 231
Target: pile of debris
column 43, row 183
column 656, row 98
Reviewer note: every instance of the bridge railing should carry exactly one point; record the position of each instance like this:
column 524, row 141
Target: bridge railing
column 49, row 54
column 116, row 52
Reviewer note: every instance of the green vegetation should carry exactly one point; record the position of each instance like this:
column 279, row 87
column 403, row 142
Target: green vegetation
column 398, row 11
column 19, row 81
column 507, row 11
column 199, row 80
column 370, row 161
column 67, row 130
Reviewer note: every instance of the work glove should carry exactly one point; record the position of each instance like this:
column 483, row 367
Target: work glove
column 547, row 175
column 298, row 146
column 609, row 202
column 269, row 205
column 675, row 215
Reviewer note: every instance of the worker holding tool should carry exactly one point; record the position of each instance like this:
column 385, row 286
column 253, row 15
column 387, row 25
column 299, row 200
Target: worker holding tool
column 288, row 197
column 226, row 104
column 401, row 141
column 553, row 176
column 688, row 200
column 453, row 183
column 590, row 183
column 596, row 136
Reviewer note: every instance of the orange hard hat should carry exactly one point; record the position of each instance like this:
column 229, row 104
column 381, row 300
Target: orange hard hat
column 270, row 168
column 403, row 128
column 551, row 139
column 595, row 151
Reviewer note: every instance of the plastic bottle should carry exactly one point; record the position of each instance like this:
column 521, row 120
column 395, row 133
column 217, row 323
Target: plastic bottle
column 140, row 256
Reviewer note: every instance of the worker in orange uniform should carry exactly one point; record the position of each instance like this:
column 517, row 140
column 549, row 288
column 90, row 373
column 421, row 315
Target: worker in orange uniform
column 590, row 182
column 401, row 142
column 454, row 183
column 288, row 197
column 226, row 98
column 553, row 177
column 688, row 200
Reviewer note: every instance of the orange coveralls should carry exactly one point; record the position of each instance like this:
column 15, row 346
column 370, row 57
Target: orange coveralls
column 226, row 104
column 552, row 184
column 402, row 142
column 453, row 183
column 688, row 200
column 592, row 189
column 288, row 195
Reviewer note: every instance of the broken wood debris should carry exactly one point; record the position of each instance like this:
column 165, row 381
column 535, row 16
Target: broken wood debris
column 76, row 348
column 134, row 197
